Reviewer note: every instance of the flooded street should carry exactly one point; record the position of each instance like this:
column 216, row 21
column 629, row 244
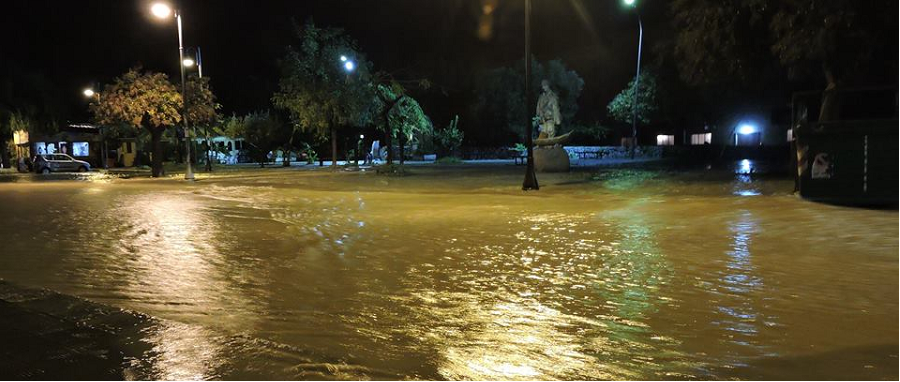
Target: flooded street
column 453, row 273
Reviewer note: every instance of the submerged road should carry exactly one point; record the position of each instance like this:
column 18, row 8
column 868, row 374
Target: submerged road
column 449, row 273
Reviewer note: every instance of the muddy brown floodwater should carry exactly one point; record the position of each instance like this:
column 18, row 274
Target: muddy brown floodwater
column 454, row 273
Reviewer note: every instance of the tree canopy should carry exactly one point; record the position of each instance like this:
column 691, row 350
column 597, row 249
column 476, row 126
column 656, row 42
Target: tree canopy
column 138, row 99
column 621, row 108
column 201, row 105
column 828, row 38
column 316, row 88
column 136, row 94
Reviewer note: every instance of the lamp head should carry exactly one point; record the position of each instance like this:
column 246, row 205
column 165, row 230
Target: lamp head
column 161, row 10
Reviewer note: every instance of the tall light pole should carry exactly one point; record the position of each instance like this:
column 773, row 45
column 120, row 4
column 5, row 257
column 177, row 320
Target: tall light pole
column 189, row 62
column 90, row 94
column 163, row 11
column 530, row 182
column 637, row 76
column 349, row 66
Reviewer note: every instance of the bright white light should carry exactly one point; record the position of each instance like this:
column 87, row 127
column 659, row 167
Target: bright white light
column 89, row 92
column 343, row 58
column 628, row 2
column 161, row 10
column 188, row 62
column 361, row 136
column 746, row 129
column 349, row 66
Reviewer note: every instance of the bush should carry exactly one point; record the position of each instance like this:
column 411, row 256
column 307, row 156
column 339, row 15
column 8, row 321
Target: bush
column 450, row 138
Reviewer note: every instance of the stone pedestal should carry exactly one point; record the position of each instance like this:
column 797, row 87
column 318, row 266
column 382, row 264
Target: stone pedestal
column 551, row 159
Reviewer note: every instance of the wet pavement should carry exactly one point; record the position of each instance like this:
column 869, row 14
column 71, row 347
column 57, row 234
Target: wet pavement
column 452, row 272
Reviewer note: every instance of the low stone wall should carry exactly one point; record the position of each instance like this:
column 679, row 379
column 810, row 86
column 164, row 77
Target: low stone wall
column 614, row 152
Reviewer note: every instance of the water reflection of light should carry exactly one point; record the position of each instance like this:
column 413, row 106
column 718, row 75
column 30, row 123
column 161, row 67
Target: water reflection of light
column 740, row 282
column 177, row 273
column 520, row 340
column 182, row 352
column 744, row 171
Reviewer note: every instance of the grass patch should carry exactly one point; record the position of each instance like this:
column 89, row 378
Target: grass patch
column 391, row 170
column 448, row 160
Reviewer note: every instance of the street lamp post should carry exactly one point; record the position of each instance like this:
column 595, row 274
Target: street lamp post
column 637, row 77
column 530, row 182
column 163, row 11
column 349, row 66
column 90, row 93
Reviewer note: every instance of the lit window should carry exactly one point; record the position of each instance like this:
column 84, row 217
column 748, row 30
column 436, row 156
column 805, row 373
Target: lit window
column 80, row 149
column 701, row 139
column 665, row 140
column 790, row 135
column 40, row 148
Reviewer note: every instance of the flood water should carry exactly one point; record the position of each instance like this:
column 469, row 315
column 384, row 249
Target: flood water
column 453, row 273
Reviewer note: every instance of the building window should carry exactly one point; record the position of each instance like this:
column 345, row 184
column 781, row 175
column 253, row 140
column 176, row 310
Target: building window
column 665, row 140
column 790, row 135
column 80, row 149
column 701, row 139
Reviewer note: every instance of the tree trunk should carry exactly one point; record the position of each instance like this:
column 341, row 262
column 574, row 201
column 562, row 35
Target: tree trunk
column 156, row 142
column 390, row 147
column 4, row 154
column 286, row 161
column 333, row 147
column 208, row 147
column 402, row 146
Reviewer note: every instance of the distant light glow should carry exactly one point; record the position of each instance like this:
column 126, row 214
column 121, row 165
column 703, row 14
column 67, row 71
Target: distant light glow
column 89, row 92
column 349, row 65
column 161, row 10
column 745, row 167
column 628, row 2
column 361, row 136
column 343, row 58
column 746, row 129
column 188, row 62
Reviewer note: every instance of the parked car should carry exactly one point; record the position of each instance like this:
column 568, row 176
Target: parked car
column 48, row 163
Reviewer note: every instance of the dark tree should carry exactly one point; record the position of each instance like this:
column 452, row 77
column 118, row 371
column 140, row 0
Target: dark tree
column 831, row 40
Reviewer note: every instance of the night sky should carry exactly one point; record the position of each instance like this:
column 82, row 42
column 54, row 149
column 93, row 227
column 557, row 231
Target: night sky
column 76, row 44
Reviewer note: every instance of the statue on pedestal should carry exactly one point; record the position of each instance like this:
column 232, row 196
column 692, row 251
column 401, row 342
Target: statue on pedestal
column 548, row 111
column 549, row 118
column 549, row 156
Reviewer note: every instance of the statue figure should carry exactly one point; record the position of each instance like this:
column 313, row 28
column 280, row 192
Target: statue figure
column 548, row 111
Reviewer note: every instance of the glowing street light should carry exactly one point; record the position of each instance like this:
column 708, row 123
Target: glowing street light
column 188, row 62
column 89, row 93
column 343, row 58
column 349, row 66
column 746, row 129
